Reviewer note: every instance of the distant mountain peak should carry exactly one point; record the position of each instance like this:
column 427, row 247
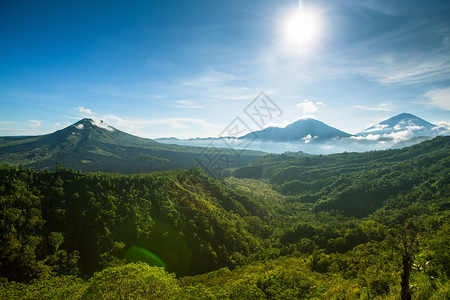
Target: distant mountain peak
column 401, row 126
column 407, row 117
column 303, row 130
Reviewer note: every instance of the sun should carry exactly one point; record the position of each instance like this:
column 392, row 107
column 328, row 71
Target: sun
column 301, row 28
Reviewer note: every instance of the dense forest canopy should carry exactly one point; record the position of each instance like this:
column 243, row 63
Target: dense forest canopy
column 348, row 225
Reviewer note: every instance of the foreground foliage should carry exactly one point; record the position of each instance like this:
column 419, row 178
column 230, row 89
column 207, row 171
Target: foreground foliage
column 370, row 225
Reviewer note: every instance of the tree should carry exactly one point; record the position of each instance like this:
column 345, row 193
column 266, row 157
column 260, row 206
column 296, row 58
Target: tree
column 408, row 245
column 131, row 281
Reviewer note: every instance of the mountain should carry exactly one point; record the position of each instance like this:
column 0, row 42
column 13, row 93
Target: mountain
column 314, row 137
column 304, row 130
column 401, row 127
column 90, row 145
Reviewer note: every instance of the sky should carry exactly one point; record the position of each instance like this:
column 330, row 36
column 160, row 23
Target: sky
column 189, row 68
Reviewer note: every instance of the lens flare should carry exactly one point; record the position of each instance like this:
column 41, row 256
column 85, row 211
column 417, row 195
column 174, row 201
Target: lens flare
column 136, row 253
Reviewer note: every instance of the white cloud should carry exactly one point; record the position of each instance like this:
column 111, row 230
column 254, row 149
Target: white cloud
column 377, row 127
column 444, row 124
column 379, row 107
column 308, row 107
column 396, row 135
column 281, row 124
column 86, row 112
column 439, row 98
column 35, row 123
column 369, row 137
column 100, row 124
column 186, row 104
column 442, row 127
column 413, row 127
column 399, row 136
column 308, row 138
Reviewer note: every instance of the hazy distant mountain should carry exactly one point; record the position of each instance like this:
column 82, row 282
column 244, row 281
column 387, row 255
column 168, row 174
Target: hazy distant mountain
column 402, row 126
column 314, row 137
column 304, row 130
column 95, row 146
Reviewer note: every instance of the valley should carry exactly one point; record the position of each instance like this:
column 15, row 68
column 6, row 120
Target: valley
column 285, row 226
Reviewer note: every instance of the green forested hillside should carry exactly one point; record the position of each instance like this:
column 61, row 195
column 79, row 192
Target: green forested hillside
column 368, row 225
column 65, row 222
column 357, row 184
column 92, row 147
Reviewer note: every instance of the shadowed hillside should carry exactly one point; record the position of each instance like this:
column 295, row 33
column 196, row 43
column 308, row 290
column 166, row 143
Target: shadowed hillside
column 94, row 146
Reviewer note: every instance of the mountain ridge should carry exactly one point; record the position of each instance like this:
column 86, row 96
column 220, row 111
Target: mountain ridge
column 405, row 123
column 90, row 145
column 304, row 129
column 310, row 129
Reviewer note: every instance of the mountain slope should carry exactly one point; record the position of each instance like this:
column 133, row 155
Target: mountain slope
column 191, row 222
column 305, row 130
column 402, row 126
column 94, row 146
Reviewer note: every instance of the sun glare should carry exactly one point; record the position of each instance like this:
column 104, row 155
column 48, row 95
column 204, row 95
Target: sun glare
column 301, row 28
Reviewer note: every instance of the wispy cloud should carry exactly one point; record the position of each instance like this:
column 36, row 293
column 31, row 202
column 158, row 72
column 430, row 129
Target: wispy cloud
column 414, row 50
column 35, row 123
column 177, row 122
column 213, row 84
column 186, row 104
column 6, row 122
column 208, row 78
column 203, row 85
column 85, row 112
column 379, row 107
column 392, row 8
column 439, row 98
column 20, row 132
column 392, row 69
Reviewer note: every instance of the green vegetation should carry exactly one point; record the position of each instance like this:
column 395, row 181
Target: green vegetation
column 370, row 225
column 85, row 146
column 65, row 222
column 358, row 184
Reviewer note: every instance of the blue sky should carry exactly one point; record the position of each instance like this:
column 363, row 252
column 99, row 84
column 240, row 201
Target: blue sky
column 188, row 68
